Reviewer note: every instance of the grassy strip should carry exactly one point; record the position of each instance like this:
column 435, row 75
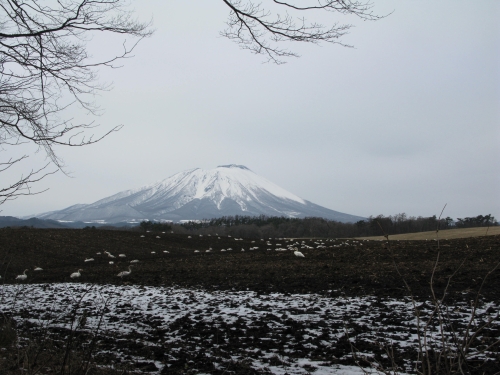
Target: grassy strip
column 446, row 234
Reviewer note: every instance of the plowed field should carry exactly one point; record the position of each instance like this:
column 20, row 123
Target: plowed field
column 222, row 305
column 353, row 267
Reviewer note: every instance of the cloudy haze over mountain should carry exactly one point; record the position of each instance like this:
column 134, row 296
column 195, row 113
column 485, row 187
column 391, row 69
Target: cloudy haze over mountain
column 406, row 121
column 196, row 194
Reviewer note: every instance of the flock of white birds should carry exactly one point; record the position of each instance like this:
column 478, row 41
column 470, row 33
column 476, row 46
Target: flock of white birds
column 290, row 245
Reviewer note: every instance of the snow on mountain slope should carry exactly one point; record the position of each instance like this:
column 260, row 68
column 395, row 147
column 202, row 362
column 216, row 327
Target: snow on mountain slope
column 199, row 194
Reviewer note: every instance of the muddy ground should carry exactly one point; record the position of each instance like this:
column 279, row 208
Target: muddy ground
column 353, row 268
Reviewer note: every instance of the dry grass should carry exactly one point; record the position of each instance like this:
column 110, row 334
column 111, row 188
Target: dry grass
column 446, row 234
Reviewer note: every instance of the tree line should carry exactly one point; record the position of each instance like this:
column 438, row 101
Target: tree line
column 478, row 221
column 266, row 226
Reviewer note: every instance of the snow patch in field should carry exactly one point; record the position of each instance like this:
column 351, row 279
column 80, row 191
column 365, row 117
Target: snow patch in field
column 193, row 319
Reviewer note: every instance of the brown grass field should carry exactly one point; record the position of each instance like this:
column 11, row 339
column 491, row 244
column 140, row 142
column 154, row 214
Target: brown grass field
column 447, row 234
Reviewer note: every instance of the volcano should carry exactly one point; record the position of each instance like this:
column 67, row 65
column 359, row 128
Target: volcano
column 198, row 194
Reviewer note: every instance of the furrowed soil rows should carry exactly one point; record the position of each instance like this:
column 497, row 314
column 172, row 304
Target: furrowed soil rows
column 349, row 267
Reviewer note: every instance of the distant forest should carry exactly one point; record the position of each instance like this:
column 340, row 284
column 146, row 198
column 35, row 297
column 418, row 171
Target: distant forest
column 266, row 227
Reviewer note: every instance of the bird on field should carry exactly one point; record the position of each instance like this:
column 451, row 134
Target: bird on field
column 125, row 273
column 37, row 269
column 134, row 261
column 89, row 260
column 153, row 252
column 109, row 254
column 76, row 274
column 297, row 253
column 111, row 262
column 122, row 255
column 23, row 276
column 166, row 251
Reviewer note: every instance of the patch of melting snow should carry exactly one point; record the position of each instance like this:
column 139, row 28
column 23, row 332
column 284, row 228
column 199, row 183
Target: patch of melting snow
column 279, row 333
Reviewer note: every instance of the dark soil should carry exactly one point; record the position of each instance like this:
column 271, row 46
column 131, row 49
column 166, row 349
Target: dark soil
column 361, row 268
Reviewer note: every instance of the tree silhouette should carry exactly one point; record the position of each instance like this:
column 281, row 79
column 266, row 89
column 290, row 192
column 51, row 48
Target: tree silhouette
column 45, row 69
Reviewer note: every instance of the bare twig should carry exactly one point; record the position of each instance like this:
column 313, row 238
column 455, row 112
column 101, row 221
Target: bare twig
column 438, row 222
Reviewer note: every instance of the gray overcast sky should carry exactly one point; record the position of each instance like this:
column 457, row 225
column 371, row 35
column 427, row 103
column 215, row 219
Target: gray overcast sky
column 406, row 121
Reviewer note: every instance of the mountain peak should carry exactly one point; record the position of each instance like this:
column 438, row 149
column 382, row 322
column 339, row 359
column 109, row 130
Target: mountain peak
column 234, row 166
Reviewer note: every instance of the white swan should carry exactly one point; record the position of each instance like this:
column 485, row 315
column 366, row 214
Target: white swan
column 125, row 273
column 23, row 276
column 297, row 253
column 76, row 274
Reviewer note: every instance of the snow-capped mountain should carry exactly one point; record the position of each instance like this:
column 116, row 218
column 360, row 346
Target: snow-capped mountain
column 199, row 194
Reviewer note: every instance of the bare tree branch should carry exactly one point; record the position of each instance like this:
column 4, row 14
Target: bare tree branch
column 259, row 30
column 22, row 186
